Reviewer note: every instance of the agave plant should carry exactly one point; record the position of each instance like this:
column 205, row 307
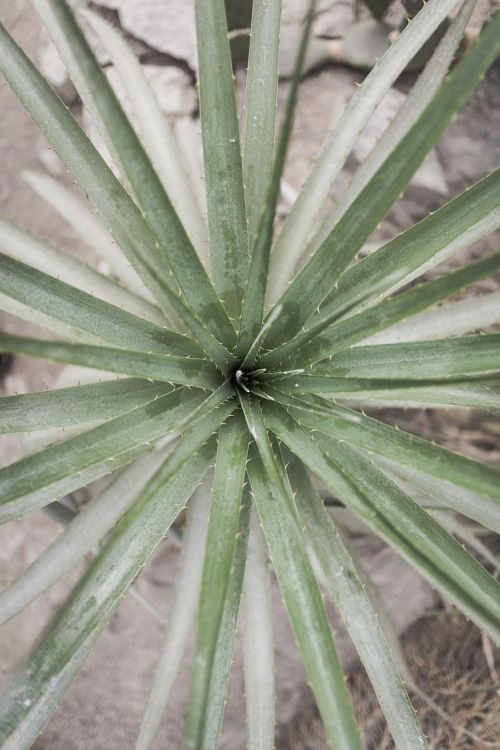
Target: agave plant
column 245, row 367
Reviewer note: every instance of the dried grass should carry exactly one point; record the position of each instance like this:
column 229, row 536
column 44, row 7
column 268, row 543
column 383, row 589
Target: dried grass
column 446, row 656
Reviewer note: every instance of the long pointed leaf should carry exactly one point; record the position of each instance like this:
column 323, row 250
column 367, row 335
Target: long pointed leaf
column 220, row 548
column 478, row 593
column 323, row 339
column 305, row 607
column 468, row 503
column 183, row 370
column 27, row 730
column 348, row 592
column 409, row 450
column 425, row 87
column 459, row 223
column 258, row 645
column 342, row 137
column 29, row 482
column 155, row 130
column 99, row 592
column 74, row 210
column 87, row 313
column 76, row 405
column 182, row 615
column 463, row 531
column 478, row 394
column 80, row 536
column 401, row 521
column 253, row 305
column 101, row 186
column 85, row 163
column 227, row 631
column 44, row 322
column 222, row 155
column 318, row 277
column 453, row 319
column 260, row 109
column 173, row 249
column 419, row 360
column 272, row 465
column 60, row 489
column 27, row 248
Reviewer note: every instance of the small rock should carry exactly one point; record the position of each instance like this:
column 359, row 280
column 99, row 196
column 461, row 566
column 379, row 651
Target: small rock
column 167, row 27
column 50, row 63
column 171, row 86
column 471, row 147
column 54, row 70
column 334, row 18
column 363, row 44
column 293, row 11
column 430, row 176
column 112, row 4
column 173, row 89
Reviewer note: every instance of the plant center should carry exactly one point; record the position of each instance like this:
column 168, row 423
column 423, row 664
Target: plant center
column 246, row 380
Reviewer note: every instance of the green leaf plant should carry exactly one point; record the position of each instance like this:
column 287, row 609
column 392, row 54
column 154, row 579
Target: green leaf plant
column 229, row 372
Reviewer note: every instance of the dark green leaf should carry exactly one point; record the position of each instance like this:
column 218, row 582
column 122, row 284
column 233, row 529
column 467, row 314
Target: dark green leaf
column 183, row 370
column 79, row 404
column 219, row 556
column 87, row 313
column 318, row 277
column 227, row 222
column 173, row 249
column 305, row 609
